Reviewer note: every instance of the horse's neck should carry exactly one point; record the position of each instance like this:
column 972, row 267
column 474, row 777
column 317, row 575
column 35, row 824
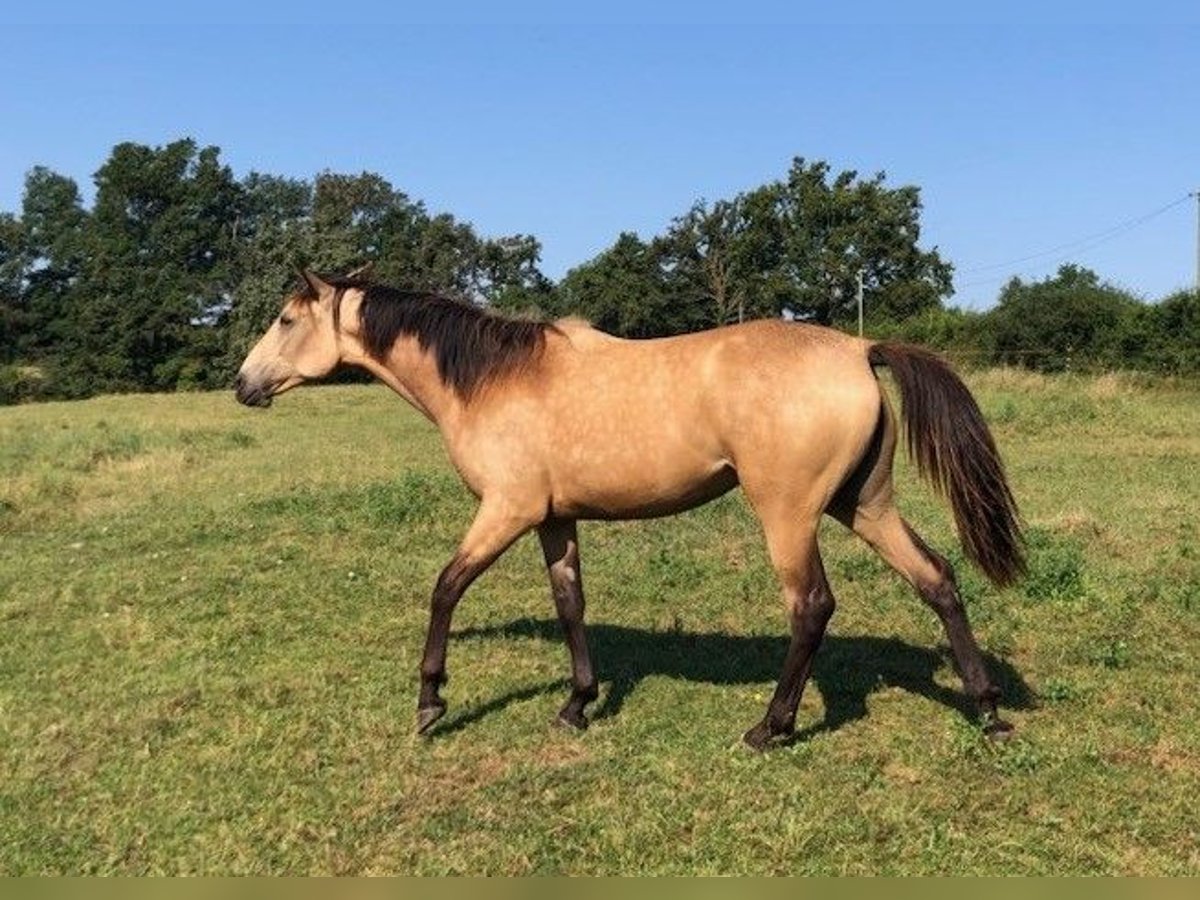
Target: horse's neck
column 412, row 373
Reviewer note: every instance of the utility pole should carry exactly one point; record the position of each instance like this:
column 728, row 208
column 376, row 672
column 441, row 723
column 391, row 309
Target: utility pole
column 1196, row 194
column 860, row 299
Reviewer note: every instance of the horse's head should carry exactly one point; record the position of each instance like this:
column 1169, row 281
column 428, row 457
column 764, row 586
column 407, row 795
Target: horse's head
column 301, row 345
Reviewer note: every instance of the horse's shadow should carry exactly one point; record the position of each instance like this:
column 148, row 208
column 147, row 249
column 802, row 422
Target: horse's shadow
column 846, row 669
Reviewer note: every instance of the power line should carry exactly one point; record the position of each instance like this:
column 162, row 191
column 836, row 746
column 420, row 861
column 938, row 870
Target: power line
column 1080, row 245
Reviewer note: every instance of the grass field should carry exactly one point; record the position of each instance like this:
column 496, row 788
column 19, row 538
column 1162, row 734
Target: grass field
column 211, row 621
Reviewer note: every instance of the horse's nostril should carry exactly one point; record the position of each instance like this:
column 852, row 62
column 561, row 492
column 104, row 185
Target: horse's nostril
column 239, row 382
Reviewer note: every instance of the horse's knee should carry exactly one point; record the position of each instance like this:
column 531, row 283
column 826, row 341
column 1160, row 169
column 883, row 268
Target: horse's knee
column 812, row 609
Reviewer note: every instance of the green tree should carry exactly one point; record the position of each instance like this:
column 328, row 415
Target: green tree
column 49, row 260
column 159, row 271
column 1069, row 320
column 13, row 318
column 729, row 257
column 275, row 235
column 835, row 227
column 340, row 222
column 626, row 291
column 793, row 246
column 1174, row 325
column 508, row 277
column 440, row 253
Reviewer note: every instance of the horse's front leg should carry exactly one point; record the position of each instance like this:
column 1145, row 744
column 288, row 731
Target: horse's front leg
column 493, row 531
column 560, row 546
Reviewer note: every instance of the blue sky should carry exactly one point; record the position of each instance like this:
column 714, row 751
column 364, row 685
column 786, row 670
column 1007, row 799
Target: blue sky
column 1022, row 139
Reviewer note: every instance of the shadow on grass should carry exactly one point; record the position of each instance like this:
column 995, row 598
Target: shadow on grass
column 847, row 669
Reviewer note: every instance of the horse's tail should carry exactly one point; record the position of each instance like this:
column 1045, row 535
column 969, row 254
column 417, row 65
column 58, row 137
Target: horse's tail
column 949, row 439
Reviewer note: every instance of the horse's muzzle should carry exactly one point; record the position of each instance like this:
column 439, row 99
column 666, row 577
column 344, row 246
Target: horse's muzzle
column 251, row 394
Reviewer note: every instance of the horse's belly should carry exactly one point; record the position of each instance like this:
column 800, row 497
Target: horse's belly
column 640, row 494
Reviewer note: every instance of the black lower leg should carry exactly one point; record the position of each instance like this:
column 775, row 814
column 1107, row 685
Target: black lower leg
column 568, row 601
column 943, row 596
column 560, row 546
column 449, row 589
column 574, row 712
column 583, row 681
column 809, row 618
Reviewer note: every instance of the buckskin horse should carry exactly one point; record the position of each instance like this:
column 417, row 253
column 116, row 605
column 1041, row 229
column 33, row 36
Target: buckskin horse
column 552, row 422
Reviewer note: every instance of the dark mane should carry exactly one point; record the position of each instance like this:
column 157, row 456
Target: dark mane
column 470, row 345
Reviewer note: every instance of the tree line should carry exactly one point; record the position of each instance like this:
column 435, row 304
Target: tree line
column 178, row 265
column 1070, row 321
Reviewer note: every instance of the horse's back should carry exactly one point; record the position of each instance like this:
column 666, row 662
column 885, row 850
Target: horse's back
column 738, row 379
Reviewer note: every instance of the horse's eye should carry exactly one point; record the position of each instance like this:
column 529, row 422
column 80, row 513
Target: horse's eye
column 285, row 321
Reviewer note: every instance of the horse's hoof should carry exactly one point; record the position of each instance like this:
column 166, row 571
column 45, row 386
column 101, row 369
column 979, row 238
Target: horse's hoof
column 576, row 721
column 758, row 738
column 998, row 730
column 764, row 736
column 427, row 715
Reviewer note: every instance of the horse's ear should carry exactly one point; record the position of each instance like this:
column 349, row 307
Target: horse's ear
column 314, row 285
column 362, row 271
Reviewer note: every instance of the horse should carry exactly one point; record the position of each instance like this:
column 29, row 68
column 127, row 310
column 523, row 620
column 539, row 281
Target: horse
column 551, row 422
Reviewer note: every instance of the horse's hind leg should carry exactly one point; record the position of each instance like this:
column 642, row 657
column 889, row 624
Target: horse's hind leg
column 902, row 548
column 560, row 546
column 797, row 562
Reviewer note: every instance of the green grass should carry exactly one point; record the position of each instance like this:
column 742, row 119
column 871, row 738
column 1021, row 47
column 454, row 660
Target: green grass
column 211, row 619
